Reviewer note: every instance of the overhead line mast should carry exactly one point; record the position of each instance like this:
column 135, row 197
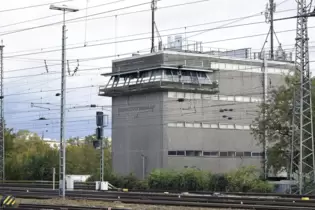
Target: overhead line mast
column 302, row 146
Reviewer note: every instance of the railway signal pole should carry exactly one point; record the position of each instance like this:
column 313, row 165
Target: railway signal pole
column 100, row 118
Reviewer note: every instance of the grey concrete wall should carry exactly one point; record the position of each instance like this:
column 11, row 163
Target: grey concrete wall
column 203, row 109
column 137, row 130
column 244, row 83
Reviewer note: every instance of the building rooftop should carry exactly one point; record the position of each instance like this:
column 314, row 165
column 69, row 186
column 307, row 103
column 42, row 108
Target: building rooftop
column 179, row 69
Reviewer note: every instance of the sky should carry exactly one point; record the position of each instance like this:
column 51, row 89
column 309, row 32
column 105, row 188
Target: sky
column 107, row 30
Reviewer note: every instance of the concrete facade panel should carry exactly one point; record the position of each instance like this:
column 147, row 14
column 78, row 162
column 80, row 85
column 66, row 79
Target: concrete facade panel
column 137, row 131
column 211, row 140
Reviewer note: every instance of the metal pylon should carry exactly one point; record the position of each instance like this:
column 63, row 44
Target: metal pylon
column 302, row 147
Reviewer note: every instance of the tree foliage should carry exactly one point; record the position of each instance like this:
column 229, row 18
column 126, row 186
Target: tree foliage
column 28, row 157
column 278, row 123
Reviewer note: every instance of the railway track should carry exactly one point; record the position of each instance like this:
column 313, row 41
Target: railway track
column 231, row 202
column 91, row 186
column 63, row 207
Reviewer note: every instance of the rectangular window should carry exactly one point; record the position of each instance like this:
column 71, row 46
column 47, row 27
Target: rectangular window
column 215, row 97
column 214, row 154
column 172, row 95
column 231, row 98
column 206, row 96
column 197, row 96
column 206, row 153
column 256, row 154
column 255, row 100
column 239, row 99
column 206, row 125
column 180, row 153
column 247, row 154
column 239, row 127
column 180, row 125
column 239, row 154
column 180, row 95
column 198, row 153
column 231, row 127
column 223, row 154
column 190, row 153
column 246, row 127
column 246, row 99
column 171, row 125
column 172, row 153
column 223, row 126
column 231, row 154
column 189, row 125
column 214, row 126
column 223, row 98
column 194, row 153
column 188, row 96
column 197, row 125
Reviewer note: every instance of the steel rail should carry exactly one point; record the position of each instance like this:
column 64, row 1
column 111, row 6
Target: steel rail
column 63, row 207
column 91, row 186
column 175, row 200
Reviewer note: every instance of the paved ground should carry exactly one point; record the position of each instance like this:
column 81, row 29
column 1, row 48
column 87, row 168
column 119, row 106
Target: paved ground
column 104, row 204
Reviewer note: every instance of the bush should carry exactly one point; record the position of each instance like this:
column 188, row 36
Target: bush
column 217, row 183
column 246, row 180
column 188, row 179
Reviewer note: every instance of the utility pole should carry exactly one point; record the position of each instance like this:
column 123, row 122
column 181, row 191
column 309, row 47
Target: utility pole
column 265, row 133
column 2, row 143
column 302, row 145
column 153, row 8
column 62, row 152
column 62, row 159
column 270, row 10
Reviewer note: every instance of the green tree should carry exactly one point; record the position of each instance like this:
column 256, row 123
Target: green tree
column 278, row 123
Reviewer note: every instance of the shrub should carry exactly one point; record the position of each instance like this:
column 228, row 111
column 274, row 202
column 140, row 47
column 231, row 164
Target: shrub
column 246, row 179
column 217, row 183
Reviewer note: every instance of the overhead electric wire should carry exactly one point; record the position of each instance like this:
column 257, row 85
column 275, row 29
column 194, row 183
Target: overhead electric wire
column 236, row 93
column 45, row 17
column 31, row 6
column 146, row 38
column 126, row 36
column 77, row 18
column 171, row 112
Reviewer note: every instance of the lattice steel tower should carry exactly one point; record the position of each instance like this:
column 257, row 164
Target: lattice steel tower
column 302, row 156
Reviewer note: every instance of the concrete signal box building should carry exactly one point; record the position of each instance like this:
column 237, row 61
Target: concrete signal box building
column 187, row 109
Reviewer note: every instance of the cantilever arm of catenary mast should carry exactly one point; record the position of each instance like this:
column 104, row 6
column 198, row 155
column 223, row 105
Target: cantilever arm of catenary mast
column 312, row 14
